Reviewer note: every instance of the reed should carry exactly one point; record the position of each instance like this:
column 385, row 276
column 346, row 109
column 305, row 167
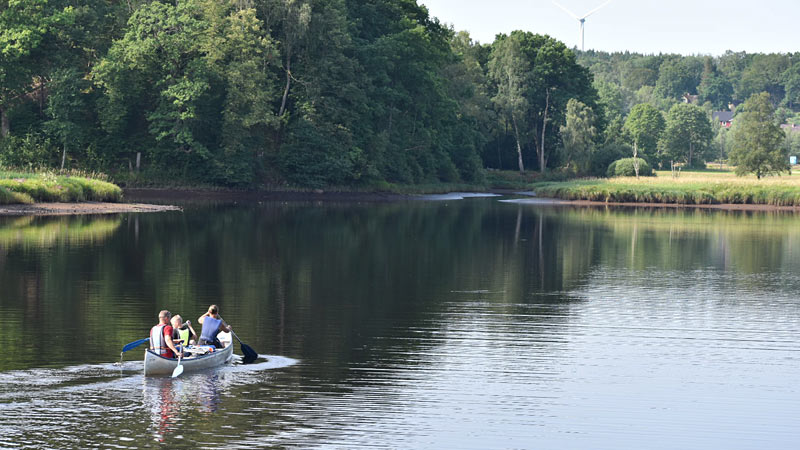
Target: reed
column 52, row 186
column 700, row 188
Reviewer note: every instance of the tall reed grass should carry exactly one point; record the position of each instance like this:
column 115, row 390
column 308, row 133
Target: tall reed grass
column 696, row 189
column 52, row 186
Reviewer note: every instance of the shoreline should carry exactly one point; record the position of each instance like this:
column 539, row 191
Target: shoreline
column 80, row 208
column 142, row 196
column 167, row 194
column 552, row 201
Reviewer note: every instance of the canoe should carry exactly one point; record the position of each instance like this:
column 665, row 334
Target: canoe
column 158, row 365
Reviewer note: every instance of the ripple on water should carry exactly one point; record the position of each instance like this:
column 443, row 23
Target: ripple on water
column 57, row 407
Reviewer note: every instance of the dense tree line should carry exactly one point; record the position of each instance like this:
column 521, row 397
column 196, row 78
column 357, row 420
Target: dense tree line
column 634, row 88
column 340, row 92
column 248, row 92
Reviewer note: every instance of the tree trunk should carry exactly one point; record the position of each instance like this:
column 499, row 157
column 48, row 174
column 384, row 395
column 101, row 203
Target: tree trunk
column 138, row 160
column 636, row 158
column 64, row 157
column 519, row 147
column 4, row 126
column 288, row 81
column 542, row 159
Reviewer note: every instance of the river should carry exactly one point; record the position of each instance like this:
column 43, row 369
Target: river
column 439, row 323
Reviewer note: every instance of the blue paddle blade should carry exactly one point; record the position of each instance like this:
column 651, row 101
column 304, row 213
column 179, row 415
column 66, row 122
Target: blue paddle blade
column 134, row 344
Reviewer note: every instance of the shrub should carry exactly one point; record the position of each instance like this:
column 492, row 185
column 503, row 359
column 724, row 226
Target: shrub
column 624, row 168
column 8, row 197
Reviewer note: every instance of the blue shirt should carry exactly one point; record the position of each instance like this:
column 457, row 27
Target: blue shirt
column 210, row 328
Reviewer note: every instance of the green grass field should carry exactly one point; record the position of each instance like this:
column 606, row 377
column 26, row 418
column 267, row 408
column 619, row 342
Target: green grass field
column 25, row 187
column 710, row 186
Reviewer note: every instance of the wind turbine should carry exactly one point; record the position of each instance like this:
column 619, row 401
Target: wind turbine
column 582, row 20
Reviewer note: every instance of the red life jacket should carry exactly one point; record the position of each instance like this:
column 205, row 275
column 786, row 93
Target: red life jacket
column 158, row 341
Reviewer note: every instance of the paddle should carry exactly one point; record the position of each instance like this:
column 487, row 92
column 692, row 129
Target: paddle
column 178, row 370
column 131, row 346
column 134, row 344
column 250, row 355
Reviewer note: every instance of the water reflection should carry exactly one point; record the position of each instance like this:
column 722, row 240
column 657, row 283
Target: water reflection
column 469, row 324
column 170, row 400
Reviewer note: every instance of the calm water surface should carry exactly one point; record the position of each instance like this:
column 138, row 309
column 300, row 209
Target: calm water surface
column 475, row 323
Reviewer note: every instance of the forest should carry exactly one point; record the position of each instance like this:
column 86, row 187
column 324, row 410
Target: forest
column 319, row 93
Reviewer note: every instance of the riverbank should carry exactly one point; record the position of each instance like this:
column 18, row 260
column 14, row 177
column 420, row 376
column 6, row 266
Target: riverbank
column 690, row 188
column 39, row 187
column 66, row 209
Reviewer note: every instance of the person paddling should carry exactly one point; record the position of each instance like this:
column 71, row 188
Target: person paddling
column 212, row 325
column 183, row 333
column 161, row 337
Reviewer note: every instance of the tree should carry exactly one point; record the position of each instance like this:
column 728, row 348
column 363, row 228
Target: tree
column 687, row 134
column 610, row 99
column 66, row 109
column 714, row 87
column 791, row 80
column 190, row 84
column 674, row 79
column 644, row 125
column 578, row 135
column 511, row 72
column 758, row 143
column 25, row 26
column 764, row 73
column 545, row 76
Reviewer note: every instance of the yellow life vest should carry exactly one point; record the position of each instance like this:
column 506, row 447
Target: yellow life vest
column 183, row 335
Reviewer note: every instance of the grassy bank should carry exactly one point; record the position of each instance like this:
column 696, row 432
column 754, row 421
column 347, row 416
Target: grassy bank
column 690, row 188
column 26, row 188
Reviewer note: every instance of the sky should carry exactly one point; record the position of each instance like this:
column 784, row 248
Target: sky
column 645, row 26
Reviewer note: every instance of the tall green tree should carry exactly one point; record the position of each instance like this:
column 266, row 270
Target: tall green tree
column 714, row 87
column 758, row 144
column 550, row 77
column 510, row 70
column 578, row 135
column 66, row 109
column 644, row 126
column 687, row 134
column 674, row 79
column 190, row 82
column 25, row 28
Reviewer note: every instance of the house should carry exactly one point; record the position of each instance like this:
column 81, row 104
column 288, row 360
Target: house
column 790, row 127
column 723, row 118
column 690, row 99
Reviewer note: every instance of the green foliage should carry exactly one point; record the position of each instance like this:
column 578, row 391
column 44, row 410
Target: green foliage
column 694, row 193
column 687, row 135
column 51, row 187
column 675, row 79
column 31, row 151
column 714, row 87
column 644, row 127
column 9, row 197
column 625, row 168
column 535, row 77
column 758, row 144
column 334, row 92
column 578, row 136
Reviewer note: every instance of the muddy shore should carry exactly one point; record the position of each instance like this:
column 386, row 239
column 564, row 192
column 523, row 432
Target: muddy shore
column 143, row 197
column 67, row 209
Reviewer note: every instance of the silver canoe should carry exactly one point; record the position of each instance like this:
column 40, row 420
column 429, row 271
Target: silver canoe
column 158, row 365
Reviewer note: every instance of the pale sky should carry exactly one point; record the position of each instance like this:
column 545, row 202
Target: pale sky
column 644, row 26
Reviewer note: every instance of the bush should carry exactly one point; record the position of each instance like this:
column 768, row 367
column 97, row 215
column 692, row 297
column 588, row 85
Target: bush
column 624, row 168
column 605, row 155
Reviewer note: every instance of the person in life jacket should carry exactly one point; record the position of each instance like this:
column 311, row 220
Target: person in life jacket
column 183, row 333
column 161, row 336
column 212, row 325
